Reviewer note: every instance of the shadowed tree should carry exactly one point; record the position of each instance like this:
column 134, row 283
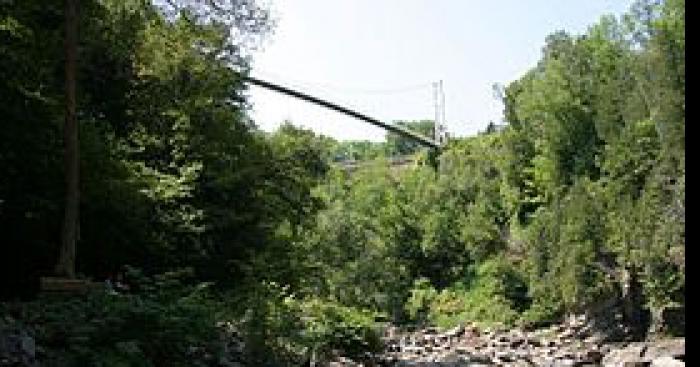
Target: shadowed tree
column 70, row 234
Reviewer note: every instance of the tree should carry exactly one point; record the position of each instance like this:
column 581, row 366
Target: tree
column 71, row 219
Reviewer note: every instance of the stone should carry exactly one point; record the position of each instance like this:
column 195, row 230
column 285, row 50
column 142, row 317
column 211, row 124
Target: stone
column 27, row 344
column 630, row 353
column 504, row 356
column 462, row 346
column 480, row 358
column 451, row 358
column 412, row 349
column 667, row 361
column 594, row 356
column 666, row 347
column 637, row 363
column 564, row 363
column 454, row 332
column 567, row 333
column 545, row 362
column 462, row 349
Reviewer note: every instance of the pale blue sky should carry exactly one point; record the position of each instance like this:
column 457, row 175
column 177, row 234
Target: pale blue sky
column 359, row 53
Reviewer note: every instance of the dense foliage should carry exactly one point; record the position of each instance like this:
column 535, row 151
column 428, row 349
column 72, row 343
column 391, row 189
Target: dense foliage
column 577, row 203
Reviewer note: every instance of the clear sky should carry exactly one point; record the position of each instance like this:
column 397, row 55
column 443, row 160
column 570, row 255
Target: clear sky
column 381, row 56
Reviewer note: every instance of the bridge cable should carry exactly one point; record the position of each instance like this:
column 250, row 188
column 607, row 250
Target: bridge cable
column 303, row 96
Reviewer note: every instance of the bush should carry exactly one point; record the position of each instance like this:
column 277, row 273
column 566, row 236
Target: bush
column 330, row 326
column 546, row 308
column 165, row 323
column 496, row 296
column 282, row 330
column 422, row 296
column 271, row 324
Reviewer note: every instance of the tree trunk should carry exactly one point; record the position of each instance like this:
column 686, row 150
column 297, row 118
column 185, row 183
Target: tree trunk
column 635, row 314
column 69, row 235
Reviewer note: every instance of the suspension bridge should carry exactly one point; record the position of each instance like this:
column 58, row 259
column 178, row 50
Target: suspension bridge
column 439, row 134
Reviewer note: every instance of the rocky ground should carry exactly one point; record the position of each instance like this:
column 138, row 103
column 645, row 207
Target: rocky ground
column 574, row 343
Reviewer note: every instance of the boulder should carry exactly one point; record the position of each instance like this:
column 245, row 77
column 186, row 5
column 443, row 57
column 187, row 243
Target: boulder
column 594, row 356
column 17, row 347
column 667, row 347
column 667, row 361
column 625, row 357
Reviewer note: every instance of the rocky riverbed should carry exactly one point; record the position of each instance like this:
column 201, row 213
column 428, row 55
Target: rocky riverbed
column 574, row 343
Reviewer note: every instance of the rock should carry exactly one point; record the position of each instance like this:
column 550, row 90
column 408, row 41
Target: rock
column 630, row 353
column 477, row 358
column 451, row 358
column 462, row 349
column 462, row 346
column 667, row 361
column 637, row 363
column 545, row 362
column 564, row 363
column 412, row 349
column 567, row 333
column 17, row 347
column 594, row 338
column 504, row 356
column 666, row 347
column 455, row 332
column 594, row 356
column 27, row 344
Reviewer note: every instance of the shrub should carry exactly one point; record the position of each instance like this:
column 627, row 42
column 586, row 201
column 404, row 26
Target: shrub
column 495, row 296
column 422, row 296
column 163, row 324
column 546, row 308
column 283, row 330
column 330, row 326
